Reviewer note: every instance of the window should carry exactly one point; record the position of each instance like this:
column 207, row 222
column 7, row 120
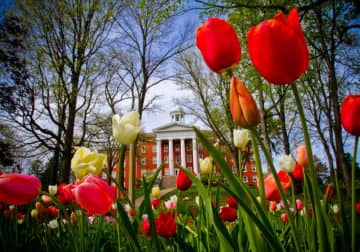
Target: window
column 176, row 172
column 166, row 148
column 189, row 158
column 154, row 149
column 188, row 146
column 253, row 167
column 244, row 169
column 143, row 149
column 113, row 174
column 104, row 175
column 254, row 178
column 166, row 160
column 154, row 160
column 245, row 178
column 177, row 147
column 143, row 160
column 177, row 159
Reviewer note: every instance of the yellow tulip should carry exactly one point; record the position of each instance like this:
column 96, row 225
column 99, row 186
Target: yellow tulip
column 241, row 138
column 155, row 191
column 206, row 165
column 86, row 161
column 126, row 129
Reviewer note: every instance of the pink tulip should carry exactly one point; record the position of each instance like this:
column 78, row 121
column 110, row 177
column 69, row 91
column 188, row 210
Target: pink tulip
column 18, row 189
column 94, row 195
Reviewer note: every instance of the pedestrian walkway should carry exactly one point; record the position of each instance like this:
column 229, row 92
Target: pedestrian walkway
column 162, row 193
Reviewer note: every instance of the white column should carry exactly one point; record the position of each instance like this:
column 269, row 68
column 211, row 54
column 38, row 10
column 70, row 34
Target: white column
column 171, row 157
column 158, row 153
column 183, row 156
column 195, row 156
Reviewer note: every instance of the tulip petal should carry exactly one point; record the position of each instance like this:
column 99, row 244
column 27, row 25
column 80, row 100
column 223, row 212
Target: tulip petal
column 18, row 189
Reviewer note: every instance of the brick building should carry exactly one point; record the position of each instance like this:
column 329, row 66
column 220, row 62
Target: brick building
column 173, row 143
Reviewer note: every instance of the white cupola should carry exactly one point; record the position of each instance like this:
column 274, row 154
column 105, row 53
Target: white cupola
column 177, row 115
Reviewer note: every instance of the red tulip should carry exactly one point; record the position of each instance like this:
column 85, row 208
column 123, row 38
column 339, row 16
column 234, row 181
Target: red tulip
column 145, row 228
column 219, row 45
column 357, row 208
column 232, row 202
column 182, row 181
column 299, row 204
column 18, row 189
column 94, row 195
column 65, row 194
column 284, row 218
column 242, row 105
column 298, row 173
column 165, row 225
column 228, row 214
column 350, row 114
column 271, row 190
column 272, row 206
column 155, row 203
column 278, row 49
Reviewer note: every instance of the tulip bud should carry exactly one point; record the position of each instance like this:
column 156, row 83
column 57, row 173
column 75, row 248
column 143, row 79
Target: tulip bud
column 242, row 105
column 284, row 218
column 53, row 224
column 155, row 191
column 286, row 163
column 272, row 206
column 52, row 189
column 34, row 213
column 183, row 182
column 301, row 155
column 206, row 165
column 241, row 138
column 126, row 129
column 299, row 204
column 350, row 110
column 335, row 208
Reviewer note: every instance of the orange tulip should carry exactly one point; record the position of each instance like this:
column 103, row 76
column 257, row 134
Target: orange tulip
column 271, row 190
column 301, row 155
column 219, row 45
column 18, row 189
column 94, row 195
column 350, row 114
column 242, row 105
column 278, row 49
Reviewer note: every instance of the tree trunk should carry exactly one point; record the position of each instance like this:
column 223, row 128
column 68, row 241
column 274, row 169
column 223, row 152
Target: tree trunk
column 284, row 133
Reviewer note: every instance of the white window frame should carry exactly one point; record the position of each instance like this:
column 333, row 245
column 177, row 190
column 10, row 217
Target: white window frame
column 143, row 149
column 245, row 179
column 143, row 161
column 254, row 178
column 166, row 148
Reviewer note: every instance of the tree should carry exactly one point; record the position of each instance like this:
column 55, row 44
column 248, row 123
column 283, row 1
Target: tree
column 148, row 40
column 64, row 40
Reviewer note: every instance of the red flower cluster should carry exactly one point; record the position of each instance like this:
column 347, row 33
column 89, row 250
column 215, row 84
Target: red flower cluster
column 165, row 225
column 18, row 189
column 65, row 194
column 183, row 182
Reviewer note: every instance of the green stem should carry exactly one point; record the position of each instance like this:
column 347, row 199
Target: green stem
column 313, row 180
column 353, row 195
column 240, row 166
column 260, row 176
column 120, row 169
column 279, row 186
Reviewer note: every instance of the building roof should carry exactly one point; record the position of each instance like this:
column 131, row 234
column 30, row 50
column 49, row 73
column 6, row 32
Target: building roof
column 173, row 127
